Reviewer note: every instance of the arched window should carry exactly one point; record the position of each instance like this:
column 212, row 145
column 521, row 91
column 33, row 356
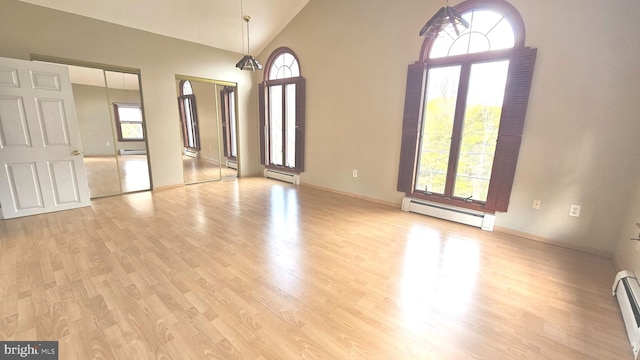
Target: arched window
column 228, row 108
column 189, row 116
column 465, row 105
column 282, row 110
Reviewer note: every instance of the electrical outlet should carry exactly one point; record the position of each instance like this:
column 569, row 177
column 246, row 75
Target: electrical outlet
column 574, row 210
column 355, row 173
column 536, row 204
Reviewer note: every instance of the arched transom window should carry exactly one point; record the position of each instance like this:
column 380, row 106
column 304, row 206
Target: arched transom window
column 285, row 65
column 488, row 30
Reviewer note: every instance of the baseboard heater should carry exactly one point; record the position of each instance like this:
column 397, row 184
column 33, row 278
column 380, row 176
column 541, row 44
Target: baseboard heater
column 282, row 176
column 462, row 216
column 626, row 289
column 191, row 153
column 133, row 152
column 232, row 164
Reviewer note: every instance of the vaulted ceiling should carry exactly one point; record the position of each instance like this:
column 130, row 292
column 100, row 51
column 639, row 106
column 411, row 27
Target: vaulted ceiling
column 216, row 23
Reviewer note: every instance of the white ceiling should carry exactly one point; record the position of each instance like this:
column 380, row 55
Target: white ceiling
column 216, row 23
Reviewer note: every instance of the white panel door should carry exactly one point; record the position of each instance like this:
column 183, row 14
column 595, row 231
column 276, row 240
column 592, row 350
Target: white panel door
column 41, row 167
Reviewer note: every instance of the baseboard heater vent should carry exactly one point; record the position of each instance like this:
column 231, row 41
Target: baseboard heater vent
column 133, row 152
column 192, row 153
column 232, row 164
column 462, row 216
column 626, row 289
column 282, row 176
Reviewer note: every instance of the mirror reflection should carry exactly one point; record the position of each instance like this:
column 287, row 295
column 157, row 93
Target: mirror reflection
column 111, row 124
column 207, row 111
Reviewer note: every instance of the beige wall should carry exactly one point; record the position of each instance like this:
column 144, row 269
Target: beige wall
column 28, row 29
column 94, row 120
column 580, row 139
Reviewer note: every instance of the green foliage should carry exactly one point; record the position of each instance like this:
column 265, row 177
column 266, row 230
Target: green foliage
column 477, row 149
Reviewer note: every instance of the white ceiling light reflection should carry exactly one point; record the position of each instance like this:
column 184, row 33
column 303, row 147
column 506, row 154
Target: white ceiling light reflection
column 439, row 277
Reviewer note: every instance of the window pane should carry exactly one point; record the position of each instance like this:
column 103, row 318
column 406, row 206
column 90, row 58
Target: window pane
column 488, row 31
column 129, row 113
column 273, row 72
column 186, row 88
column 440, row 106
column 131, row 131
column 291, row 125
column 188, row 113
column 275, row 125
column 440, row 47
column 502, row 36
column 480, row 130
column 483, row 20
column 232, row 123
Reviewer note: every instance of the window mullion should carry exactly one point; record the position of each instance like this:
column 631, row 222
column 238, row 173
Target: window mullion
column 458, row 126
column 284, row 125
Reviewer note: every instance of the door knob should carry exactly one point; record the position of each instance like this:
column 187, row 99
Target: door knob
column 76, row 152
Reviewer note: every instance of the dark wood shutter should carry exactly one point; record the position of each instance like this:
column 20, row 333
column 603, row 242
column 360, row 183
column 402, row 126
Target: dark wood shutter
column 514, row 108
column 413, row 105
column 262, row 122
column 300, row 123
column 226, row 149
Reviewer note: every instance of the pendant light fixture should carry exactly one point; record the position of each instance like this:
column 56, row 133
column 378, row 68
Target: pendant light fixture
column 445, row 16
column 247, row 62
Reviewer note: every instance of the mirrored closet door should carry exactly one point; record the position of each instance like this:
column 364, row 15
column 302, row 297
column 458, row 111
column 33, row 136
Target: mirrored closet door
column 111, row 123
column 208, row 126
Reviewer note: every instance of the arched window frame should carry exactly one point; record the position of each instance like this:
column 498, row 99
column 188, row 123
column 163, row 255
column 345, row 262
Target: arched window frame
column 188, row 116
column 286, row 158
column 521, row 63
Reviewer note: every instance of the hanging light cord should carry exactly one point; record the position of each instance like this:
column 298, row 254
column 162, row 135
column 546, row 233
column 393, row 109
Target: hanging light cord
column 247, row 18
column 242, row 27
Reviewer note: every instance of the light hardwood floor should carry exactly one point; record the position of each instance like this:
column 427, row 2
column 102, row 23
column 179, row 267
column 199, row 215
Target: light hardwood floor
column 202, row 170
column 257, row 269
column 111, row 175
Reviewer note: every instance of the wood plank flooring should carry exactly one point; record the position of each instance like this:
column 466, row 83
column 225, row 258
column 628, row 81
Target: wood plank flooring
column 257, row 269
column 202, row 170
column 111, row 175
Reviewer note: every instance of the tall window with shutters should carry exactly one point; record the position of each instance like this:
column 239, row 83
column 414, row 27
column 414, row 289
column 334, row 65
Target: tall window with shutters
column 228, row 110
column 188, row 116
column 465, row 105
column 282, row 113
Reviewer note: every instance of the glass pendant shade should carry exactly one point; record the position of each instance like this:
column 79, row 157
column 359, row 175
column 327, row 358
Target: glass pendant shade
column 445, row 16
column 248, row 62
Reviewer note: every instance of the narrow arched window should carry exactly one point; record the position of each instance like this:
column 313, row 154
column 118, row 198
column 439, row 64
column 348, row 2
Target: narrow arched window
column 282, row 112
column 188, row 116
column 464, row 110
